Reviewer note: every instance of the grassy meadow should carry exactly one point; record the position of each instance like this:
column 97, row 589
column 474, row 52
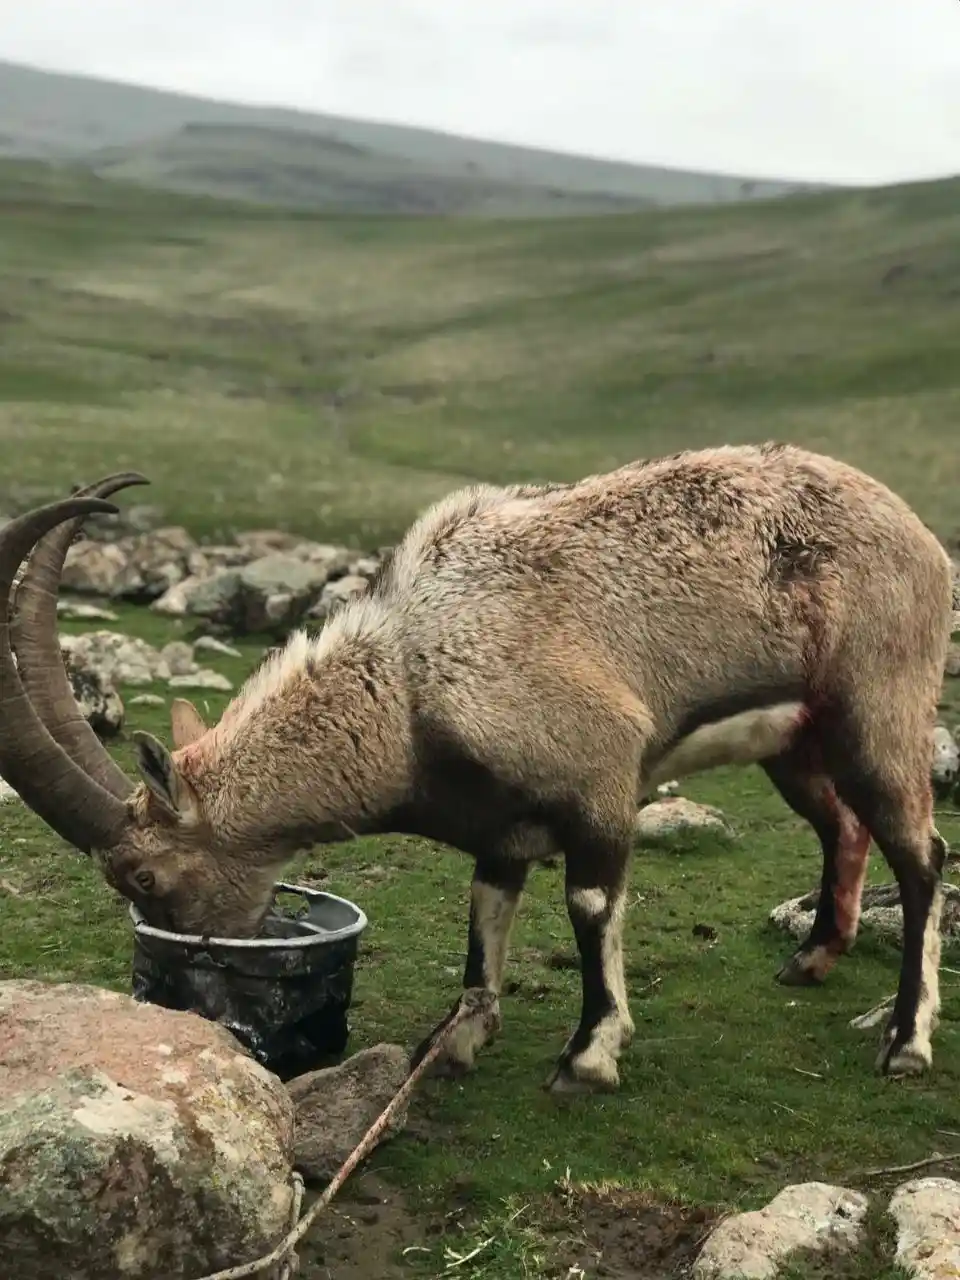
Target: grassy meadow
column 333, row 376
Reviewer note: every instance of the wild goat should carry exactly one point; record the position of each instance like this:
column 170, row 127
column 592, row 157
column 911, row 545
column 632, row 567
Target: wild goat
column 529, row 661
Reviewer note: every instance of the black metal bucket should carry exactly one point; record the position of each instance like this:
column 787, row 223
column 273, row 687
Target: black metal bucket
column 284, row 994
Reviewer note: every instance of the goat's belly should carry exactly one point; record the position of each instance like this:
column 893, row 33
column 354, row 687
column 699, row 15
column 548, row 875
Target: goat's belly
column 743, row 738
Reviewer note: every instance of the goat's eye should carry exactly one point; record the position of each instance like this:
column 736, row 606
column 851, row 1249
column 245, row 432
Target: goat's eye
column 145, row 880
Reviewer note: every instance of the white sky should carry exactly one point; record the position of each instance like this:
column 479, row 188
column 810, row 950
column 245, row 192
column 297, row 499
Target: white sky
column 832, row 90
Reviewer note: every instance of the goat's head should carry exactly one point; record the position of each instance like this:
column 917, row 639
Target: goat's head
column 153, row 842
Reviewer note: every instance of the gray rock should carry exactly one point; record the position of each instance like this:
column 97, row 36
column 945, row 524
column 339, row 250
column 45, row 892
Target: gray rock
column 81, row 611
column 336, row 1106
column 952, row 667
column 135, row 1142
column 881, row 914
column 140, row 567
column 810, row 1215
column 366, row 567
column 155, row 562
column 927, row 1214
column 178, row 655
column 268, row 595
column 337, row 593
column 210, row 644
column 674, row 816
column 119, row 658
column 99, row 702
column 202, row 678
column 946, row 760
column 147, row 700
column 256, row 543
column 7, row 792
column 174, row 602
column 92, row 568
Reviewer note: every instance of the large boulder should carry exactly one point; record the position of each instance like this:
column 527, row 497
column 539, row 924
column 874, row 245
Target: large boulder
column 135, row 1142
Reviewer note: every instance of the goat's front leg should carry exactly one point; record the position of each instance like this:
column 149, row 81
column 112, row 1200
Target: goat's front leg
column 494, row 896
column 596, row 897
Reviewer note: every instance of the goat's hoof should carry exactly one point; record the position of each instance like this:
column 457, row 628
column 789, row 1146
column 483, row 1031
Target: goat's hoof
column 808, row 968
column 574, row 1076
column 911, row 1058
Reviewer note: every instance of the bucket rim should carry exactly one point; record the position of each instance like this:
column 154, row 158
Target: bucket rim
column 304, row 942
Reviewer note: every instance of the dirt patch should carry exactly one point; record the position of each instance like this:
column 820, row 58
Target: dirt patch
column 619, row 1234
column 363, row 1234
column 588, row 1234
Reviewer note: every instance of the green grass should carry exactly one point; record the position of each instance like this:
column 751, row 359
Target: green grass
column 333, row 376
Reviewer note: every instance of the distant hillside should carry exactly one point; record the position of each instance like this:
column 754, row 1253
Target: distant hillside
column 296, row 159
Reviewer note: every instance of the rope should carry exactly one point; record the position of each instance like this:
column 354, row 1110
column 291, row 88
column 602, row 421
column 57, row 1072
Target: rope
column 282, row 1263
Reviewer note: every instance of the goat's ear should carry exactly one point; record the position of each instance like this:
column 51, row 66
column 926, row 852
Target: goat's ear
column 167, row 784
column 186, row 723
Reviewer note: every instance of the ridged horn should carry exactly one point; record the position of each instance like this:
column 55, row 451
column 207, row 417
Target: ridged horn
column 79, row 809
column 35, row 641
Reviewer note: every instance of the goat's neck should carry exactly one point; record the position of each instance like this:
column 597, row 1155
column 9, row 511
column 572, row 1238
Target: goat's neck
column 325, row 756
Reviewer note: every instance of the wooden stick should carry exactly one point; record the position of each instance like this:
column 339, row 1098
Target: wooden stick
column 474, row 1003
column 936, row 1158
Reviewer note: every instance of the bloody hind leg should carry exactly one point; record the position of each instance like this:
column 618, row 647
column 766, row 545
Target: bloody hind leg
column 890, row 791
column 845, row 841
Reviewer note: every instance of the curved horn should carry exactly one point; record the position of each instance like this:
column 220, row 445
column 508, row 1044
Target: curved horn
column 35, row 641
column 37, row 767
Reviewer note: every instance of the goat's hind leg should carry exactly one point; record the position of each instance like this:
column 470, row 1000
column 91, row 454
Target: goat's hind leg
column 800, row 778
column 891, row 793
column 596, row 896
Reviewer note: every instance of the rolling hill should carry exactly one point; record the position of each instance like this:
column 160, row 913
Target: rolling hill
column 326, row 163
column 335, row 374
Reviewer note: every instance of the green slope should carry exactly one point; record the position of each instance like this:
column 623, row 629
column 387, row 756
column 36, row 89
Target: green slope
column 334, row 374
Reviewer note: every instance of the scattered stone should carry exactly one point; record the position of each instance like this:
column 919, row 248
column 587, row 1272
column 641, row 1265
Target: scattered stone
column 946, row 760
column 212, row 645
column 927, row 1213
column 98, row 700
column 147, row 700
column 178, row 655
column 666, row 819
column 366, row 567
column 337, row 1105
column 203, row 678
column 155, row 562
column 337, row 593
column 264, row 542
column 173, row 602
column 119, row 658
column 809, row 1216
column 952, row 668
column 92, row 568
column 881, row 914
column 80, row 611
column 135, row 1141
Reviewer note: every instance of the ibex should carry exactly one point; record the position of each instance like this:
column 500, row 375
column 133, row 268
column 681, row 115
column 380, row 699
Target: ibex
column 529, row 662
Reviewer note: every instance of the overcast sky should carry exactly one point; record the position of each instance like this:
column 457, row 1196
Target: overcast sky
column 836, row 90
